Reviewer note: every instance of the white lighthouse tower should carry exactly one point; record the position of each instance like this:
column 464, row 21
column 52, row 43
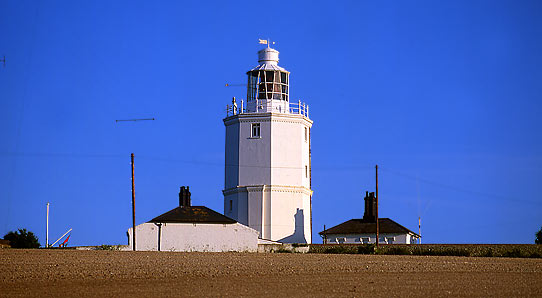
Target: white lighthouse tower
column 268, row 165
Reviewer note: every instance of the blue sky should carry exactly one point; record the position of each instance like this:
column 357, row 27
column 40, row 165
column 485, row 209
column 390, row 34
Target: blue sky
column 445, row 96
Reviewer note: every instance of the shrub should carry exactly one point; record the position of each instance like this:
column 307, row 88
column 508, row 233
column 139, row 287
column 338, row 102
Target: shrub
column 514, row 253
column 339, row 249
column 535, row 255
column 283, row 250
column 107, row 247
column 395, row 251
column 22, row 239
column 538, row 237
column 448, row 251
column 366, row 249
column 488, row 253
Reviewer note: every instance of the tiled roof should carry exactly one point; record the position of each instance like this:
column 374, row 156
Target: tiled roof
column 193, row 214
column 360, row 226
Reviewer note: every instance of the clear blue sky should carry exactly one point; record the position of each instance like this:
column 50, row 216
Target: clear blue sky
column 446, row 96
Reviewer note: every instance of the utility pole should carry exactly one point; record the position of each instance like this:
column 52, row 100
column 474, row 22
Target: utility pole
column 47, row 228
column 133, row 207
column 377, row 234
column 420, row 229
column 133, row 183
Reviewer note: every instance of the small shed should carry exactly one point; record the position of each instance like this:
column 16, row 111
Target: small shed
column 193, row 228
column 363, row 230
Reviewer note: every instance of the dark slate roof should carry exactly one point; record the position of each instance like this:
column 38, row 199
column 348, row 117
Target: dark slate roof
column 360, row 226
column 193, row 214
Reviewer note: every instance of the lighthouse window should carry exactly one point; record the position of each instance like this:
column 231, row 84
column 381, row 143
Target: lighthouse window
column 283, row 78
column 269, row 76
column 255, row 130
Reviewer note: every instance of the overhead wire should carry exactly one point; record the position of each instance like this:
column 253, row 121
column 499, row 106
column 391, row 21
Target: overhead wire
column 317, row 169
column 455, row 188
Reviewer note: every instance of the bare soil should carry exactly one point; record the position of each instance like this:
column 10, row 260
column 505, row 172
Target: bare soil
column 149, row 274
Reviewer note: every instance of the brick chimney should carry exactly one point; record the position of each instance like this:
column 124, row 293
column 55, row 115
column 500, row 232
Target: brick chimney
column 370, row 207
column 184, row 197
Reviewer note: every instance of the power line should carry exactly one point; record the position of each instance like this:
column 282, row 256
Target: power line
column 76, row 155
column 317, row 169
column 139, row 119
column 457, row 189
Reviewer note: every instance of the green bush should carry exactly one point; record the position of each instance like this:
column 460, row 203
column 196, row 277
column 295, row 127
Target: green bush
column 283, row 250
column 339, row 249
column 107, row 247
column 445, row 251
column 395, row 251
column 488, row 253
column 366, row 249
column 535, row 255
column 514, row 253
column 492, row 250
column 22, row 239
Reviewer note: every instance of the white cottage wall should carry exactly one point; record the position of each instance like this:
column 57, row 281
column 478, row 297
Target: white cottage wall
column 355, row 238
column 195, row 237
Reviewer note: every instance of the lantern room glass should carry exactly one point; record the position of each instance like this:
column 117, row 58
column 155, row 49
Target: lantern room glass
column 267, row 84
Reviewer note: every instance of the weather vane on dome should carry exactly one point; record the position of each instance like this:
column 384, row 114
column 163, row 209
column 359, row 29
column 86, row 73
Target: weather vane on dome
column 266, row 41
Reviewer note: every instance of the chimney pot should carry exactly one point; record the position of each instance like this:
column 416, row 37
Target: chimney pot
column 184, row 197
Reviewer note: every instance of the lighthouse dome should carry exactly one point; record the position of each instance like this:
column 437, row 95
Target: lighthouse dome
column 268, row 56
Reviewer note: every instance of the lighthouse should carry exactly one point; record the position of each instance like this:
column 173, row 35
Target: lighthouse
column 268, row 156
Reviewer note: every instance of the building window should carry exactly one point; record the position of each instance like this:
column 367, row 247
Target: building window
column 306, row 135
column 255, row 130
column 306, row 172
column 231, row 205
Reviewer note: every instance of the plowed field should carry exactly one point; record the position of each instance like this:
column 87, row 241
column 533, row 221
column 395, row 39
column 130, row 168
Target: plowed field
column 149, row 274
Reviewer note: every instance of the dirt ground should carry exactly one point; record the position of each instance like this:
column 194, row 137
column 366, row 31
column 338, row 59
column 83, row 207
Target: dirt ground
column 114, row 273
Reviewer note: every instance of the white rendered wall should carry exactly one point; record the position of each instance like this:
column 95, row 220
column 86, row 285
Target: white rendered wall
column 268, row 178
column 195, row 237
column 355, row 238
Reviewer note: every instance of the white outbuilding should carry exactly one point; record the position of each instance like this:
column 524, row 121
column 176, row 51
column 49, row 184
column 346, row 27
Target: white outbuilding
column 193, row 228
column 363, row 230
column 268, row 156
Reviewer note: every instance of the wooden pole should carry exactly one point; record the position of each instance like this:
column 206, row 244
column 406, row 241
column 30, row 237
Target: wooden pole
column 325, row 235
column 133, row 206
column 47, row 228
column 377, row 232
column 420, row 229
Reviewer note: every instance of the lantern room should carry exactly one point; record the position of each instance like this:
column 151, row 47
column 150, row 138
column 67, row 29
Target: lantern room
column 268, row 84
